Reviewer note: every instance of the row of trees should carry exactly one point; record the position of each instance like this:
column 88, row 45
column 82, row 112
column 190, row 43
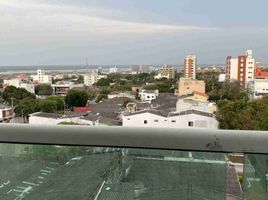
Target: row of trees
column 236, row 110
column 26, row 103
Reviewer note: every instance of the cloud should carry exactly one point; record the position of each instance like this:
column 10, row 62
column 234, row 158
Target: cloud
column 41, row 17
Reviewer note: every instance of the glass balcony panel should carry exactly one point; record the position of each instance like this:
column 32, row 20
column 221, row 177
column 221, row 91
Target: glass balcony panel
column 255, row 181
column 44, row 172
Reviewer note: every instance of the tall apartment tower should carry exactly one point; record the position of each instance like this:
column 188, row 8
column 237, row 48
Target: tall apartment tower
column 241, row 68
column 190, row 67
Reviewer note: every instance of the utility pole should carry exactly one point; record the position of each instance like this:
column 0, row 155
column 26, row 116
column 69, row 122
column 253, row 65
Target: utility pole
column 12, row 101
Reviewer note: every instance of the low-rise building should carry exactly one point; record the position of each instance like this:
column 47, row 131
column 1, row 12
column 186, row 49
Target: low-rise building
column 258, row 88
column 196, row 96
column 62, row 89
column 41, row 77
column 188, row 104
column 260, row 74
column 121, row 95
column 55, row 119
column 18, row 83
column 113, row 70
column 6, row 113
column 188, row 86
column 184, row 119
column 148, row 95
column 222, row 78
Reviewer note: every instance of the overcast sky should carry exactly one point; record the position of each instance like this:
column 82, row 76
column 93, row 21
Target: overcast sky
column 47, row 32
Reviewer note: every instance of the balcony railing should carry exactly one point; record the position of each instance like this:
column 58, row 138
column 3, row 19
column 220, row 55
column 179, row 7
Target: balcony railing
column 82, row 162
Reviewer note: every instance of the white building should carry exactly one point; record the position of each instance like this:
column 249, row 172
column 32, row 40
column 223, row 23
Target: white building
column 62, row 89
column 41, row 77
column 166, row 72
column 113, row 70
column 184, row 105
column 258, row 88
column 6, row 113
column 19, row 84
column 187, row 119
column 92, row 78
column 222, row 78
column 190, row 67
column 121, row 95
column 159, row 76
column 41, row 118
column 241, row 68
column 148, row 95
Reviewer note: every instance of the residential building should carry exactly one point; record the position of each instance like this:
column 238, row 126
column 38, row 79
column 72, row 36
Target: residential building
column 129, row 95
column 258, row 88
column 55, row 119
column 6, row 113
column 144, row 69
column 188, row 86
column 62, row 89
column 113, row 70
column 166, row 72
column 188, row 104
column 41, row 77
column 148, row 95
column 159, row 76
column 222, row 78
column 260, row 74
column 241, row 68
column 18, row 83
column 92, row 78
column 186, row 119
column 196, row 96
column 137, row 69
column 190, row 67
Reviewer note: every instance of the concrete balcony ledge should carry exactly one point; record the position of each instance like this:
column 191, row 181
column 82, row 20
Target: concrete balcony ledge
column 208, row 140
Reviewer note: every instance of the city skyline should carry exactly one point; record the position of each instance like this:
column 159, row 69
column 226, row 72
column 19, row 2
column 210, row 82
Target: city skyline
column 49, row 32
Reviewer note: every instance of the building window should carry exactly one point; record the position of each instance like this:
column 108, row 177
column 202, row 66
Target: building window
column 190, row 124
column 173, row 121
column 156, row 120
column 128, row 118
column 145, row 122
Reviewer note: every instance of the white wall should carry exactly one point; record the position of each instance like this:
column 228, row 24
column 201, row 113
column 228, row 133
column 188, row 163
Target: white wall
column 19, row 84
column 181, row 121
column 148, row 96
column 234, row 69
column 51, row 121
column 258, row 86
column 250, row 70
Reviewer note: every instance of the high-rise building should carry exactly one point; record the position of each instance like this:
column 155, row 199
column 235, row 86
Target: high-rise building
column 93, row 77
column 41, row 77
column 166, row 72
column 190, row 67
column 241, row 68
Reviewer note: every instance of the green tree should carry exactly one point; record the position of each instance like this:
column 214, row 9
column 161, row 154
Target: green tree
column 75, row 98
column 27, row 106
column 17, row 94
column 48, row 106
column 43, row 89
column 103, row 82
column 79, row 80
column 100, row 97
column 59, row 100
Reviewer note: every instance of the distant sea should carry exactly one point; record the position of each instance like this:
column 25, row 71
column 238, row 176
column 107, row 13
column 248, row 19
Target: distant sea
column 59, row 68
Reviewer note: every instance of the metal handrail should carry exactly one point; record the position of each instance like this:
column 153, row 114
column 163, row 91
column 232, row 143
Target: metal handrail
column 208, row 140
